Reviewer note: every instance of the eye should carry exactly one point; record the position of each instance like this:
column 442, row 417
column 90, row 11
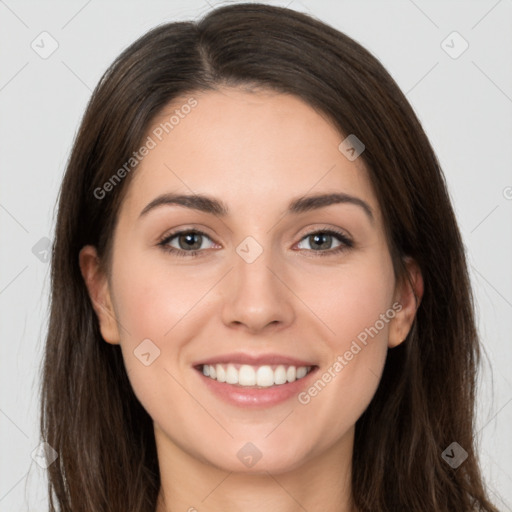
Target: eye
column 190, row 242
column 321, row 242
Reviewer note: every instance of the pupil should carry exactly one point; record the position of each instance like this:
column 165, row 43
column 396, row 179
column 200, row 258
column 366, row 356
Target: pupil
column 318, row 237
column 190, row 244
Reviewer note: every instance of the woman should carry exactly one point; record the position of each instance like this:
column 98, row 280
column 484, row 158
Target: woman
column 260, row 298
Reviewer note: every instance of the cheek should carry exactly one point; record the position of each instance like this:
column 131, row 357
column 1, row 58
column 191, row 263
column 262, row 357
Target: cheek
column 159, row 308
column 352, row 300
column 357, row 308
column 152, row 297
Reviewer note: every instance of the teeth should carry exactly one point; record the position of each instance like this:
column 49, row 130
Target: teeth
column 291, row 374
column 301, row 372
column 280, row 375
column 246, row 376
column 231, row 374
column 262, row 376
column 221, row 373
column 265, row 376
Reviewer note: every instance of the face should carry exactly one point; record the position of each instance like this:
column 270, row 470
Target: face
column 259, row 294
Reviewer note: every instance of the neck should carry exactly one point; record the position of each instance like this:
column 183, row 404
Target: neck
column 321, row 483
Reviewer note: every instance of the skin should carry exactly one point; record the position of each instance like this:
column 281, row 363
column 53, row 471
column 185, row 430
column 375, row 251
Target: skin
column 255, row 150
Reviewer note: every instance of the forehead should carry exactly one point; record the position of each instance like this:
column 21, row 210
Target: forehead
column 251, row 149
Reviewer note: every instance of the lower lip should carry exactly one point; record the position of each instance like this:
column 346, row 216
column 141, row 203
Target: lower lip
column 256, row 397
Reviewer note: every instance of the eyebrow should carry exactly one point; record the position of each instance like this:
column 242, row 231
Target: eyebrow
column 214, row 206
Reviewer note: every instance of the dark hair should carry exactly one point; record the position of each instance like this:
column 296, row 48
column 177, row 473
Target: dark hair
column 425, row 401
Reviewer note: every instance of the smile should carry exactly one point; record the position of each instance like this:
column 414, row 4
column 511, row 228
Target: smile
column 244, row 375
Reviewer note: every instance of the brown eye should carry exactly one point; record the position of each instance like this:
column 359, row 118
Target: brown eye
column 321, row 242
column 189, row 242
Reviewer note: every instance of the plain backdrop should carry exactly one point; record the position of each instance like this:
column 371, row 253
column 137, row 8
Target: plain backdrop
column 463, row 99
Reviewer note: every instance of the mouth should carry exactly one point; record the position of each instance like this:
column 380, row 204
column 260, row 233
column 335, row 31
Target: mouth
column 254, row 376
column 254, row 380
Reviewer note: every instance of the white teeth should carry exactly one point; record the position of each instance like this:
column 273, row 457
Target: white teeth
column 301, row 372
column 280, row 375
column 231, row 374
column 246, row 376
column 291, row 374
column 221, row 373
column 262, row 376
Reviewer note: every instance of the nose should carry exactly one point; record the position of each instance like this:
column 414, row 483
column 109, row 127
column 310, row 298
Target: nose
column 257, row 295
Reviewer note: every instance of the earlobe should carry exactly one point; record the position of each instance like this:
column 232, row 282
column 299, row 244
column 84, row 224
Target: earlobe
column 408, row 294
column 98, row 288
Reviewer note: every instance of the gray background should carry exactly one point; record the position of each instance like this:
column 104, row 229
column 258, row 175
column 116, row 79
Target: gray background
column 464, row 104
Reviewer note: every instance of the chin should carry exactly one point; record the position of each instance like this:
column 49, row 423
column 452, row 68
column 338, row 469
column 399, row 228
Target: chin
column 246, row 457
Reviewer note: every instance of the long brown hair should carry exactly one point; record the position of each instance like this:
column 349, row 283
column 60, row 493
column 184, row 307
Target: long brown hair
column 89, row 414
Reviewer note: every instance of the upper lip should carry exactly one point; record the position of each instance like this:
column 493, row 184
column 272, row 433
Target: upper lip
column 254, row 360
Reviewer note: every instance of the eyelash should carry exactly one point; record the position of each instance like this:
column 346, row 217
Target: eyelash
column 346, row 243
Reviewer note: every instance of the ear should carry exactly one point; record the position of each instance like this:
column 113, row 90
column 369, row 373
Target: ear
column 97, row 285
column 408, row 293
